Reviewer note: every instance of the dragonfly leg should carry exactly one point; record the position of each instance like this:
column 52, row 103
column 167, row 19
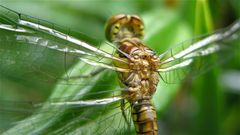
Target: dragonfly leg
column 123, row 112
column 93, row 73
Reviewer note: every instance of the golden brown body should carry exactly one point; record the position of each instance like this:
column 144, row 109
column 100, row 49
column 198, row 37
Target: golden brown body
column 144, row 117
column 126, row 32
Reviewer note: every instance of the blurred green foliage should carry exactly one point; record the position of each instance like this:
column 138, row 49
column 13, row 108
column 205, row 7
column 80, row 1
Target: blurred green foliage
column 203, row 106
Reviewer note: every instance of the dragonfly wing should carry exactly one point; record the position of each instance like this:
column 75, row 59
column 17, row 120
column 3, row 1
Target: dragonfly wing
column 38, row 26
column 199, row 54
column 99, row 116
column 26, row 43
column 32, row 49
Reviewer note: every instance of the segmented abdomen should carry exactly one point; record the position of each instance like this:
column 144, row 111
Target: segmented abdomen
column 144, row 117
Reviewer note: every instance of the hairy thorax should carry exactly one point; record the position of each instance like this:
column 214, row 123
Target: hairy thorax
column 142, row 79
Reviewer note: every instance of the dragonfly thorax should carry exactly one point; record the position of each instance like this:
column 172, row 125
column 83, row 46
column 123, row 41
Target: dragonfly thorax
column 142, row 79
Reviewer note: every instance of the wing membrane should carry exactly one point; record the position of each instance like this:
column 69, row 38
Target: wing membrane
column 200, row 54
column 98, row 115
column 34, row 25
column 30, row 49
column 34, row 45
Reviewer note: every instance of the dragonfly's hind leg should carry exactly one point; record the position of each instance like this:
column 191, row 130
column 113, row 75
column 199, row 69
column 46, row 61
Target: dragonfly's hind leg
column 124, row 113
column 91, row 74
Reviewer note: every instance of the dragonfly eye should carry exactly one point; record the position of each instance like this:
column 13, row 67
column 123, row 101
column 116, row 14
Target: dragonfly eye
column 123, row 26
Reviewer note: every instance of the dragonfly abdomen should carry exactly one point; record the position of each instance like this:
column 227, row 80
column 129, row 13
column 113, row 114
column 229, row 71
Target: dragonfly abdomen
column 144, row 117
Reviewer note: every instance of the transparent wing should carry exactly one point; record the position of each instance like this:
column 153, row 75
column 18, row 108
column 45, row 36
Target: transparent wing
column 199, row 54
column 82, row 109
column 67, row 115
column 37, row 46
column 34, row 50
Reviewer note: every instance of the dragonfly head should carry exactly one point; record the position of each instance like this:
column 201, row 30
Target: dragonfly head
column 123, row 26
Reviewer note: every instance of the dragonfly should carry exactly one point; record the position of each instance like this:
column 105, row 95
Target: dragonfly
column 126, row 107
